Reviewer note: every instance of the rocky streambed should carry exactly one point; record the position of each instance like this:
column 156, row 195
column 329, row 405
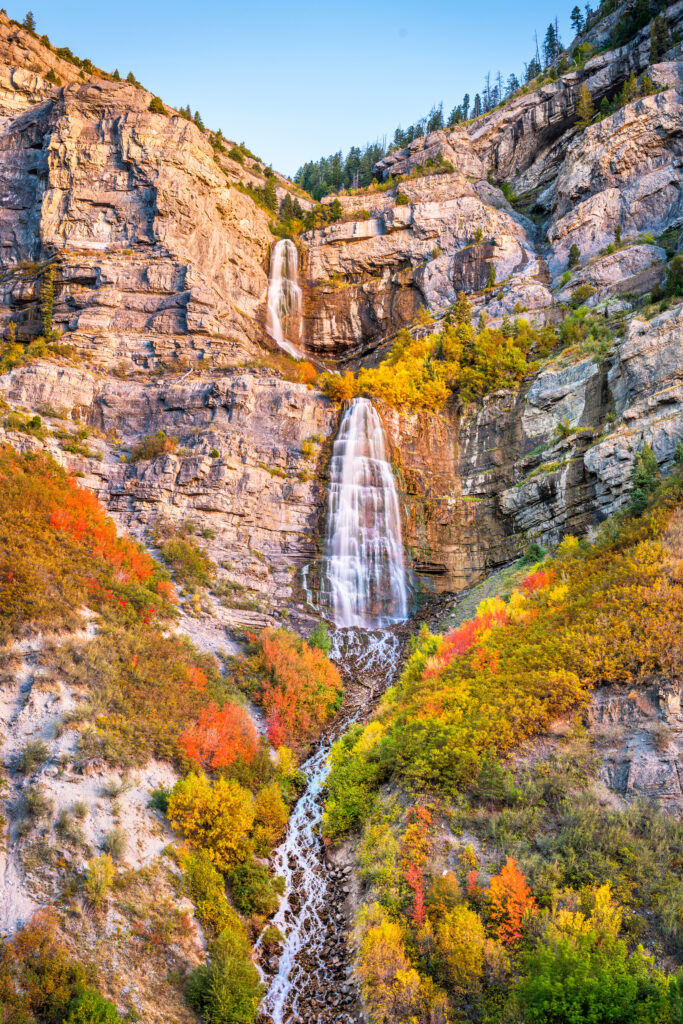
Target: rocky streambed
column 309, row 978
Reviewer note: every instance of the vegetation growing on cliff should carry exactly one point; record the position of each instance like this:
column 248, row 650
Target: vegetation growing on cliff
column 423, row 372
column 496, row 894
column 295, row 684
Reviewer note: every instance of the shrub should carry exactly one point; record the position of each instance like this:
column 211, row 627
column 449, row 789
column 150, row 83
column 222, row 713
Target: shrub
column 227, row 990
column 510, row 901
column 216, row 818
column 295, row 683
column 99, row 879
column 270, row 817
column 114, row 843
column 579, row 979
column 156, row 106
column 152, row 446
column 320, row 638
column 402, row 199
column 220, row 737
column 36, row 803
column 574, row 255
column 206, row 888
column 581, row 294
column 34, row 753
column 192, row 565
column 643, row 479
column 38, row 976
column 253, row 890
column 91, row 1008
column 460, row 938
column 673, row 286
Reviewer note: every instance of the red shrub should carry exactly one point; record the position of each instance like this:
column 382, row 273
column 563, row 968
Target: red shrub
column 220, row 737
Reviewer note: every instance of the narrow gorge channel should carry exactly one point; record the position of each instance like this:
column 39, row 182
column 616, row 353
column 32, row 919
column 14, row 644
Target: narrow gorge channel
column 364, row 589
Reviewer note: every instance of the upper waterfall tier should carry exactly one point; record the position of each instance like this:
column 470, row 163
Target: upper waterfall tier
column 364, row 575
column 284, row 295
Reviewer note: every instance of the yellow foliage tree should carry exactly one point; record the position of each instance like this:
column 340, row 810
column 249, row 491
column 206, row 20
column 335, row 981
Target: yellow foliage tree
column 391, row 987
column 460, row 940
column 216, row 818
column 270, row 816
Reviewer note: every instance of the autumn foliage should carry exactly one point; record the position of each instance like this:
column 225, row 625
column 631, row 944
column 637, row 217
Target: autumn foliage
column 220, row 736
column 606, row 612
column 424, row 371
column 510, row 900
column 295, row 683
column 59, row 551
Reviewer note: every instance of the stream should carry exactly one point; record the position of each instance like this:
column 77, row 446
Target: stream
column 312, row 982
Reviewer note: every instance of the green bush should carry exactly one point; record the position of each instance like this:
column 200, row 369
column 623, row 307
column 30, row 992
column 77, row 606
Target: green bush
column 644, row 479
column 114, row 843
column 674, row 278
column 320, row 638
column 152, row 446
column 92, row 1008
column 192, row 566
column 402, row 199
column 581, row 294
column 227, row 990
column 582, row 980
column 156, row 106
column 253, row 889
column 574, row 255
column 34, row 753
column 205, row 886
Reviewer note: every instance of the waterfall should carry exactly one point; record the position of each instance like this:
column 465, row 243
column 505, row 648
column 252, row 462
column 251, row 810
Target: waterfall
column 364, row 572
column 284, row 294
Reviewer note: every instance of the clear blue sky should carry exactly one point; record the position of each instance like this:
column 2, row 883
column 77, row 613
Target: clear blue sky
column 300, row 80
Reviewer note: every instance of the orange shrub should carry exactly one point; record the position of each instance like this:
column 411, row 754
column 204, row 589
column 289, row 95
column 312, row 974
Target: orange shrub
column 220, row 736
column 510, row 900
column 298, row 687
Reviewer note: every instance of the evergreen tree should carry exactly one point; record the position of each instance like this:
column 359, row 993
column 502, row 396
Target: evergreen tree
column 585, row 109
column 512, row 86
column 659, row 38
column 576, row 18
column 130, row 78
column 629, row 91
column 286, row 207
column 678, row 455
column 435, row 119
column 491, row 278
column 29, row 22
column 269, row 193
column 47, row 303
column 198, row 120
column 455, row 116
column 550, row 45
column 465, row 106
column 156, row 106
column 115, row 75
column 643, row 478
column 574, row 255
column 462, row 310
column 476, row 109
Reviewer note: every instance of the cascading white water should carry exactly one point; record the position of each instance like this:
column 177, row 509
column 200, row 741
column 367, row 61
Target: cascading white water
column 364, row 576
column 306, row 914
column 284, row 294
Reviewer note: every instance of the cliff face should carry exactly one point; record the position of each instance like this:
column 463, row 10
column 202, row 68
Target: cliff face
column 160, row 259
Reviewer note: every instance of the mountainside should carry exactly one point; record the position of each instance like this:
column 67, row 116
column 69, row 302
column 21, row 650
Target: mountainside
column 509, row 294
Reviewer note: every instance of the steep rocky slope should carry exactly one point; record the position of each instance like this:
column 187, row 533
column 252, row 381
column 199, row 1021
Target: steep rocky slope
column 159, row 250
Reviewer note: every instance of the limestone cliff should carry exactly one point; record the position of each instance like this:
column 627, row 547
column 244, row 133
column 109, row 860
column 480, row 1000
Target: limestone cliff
column 160, row 258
